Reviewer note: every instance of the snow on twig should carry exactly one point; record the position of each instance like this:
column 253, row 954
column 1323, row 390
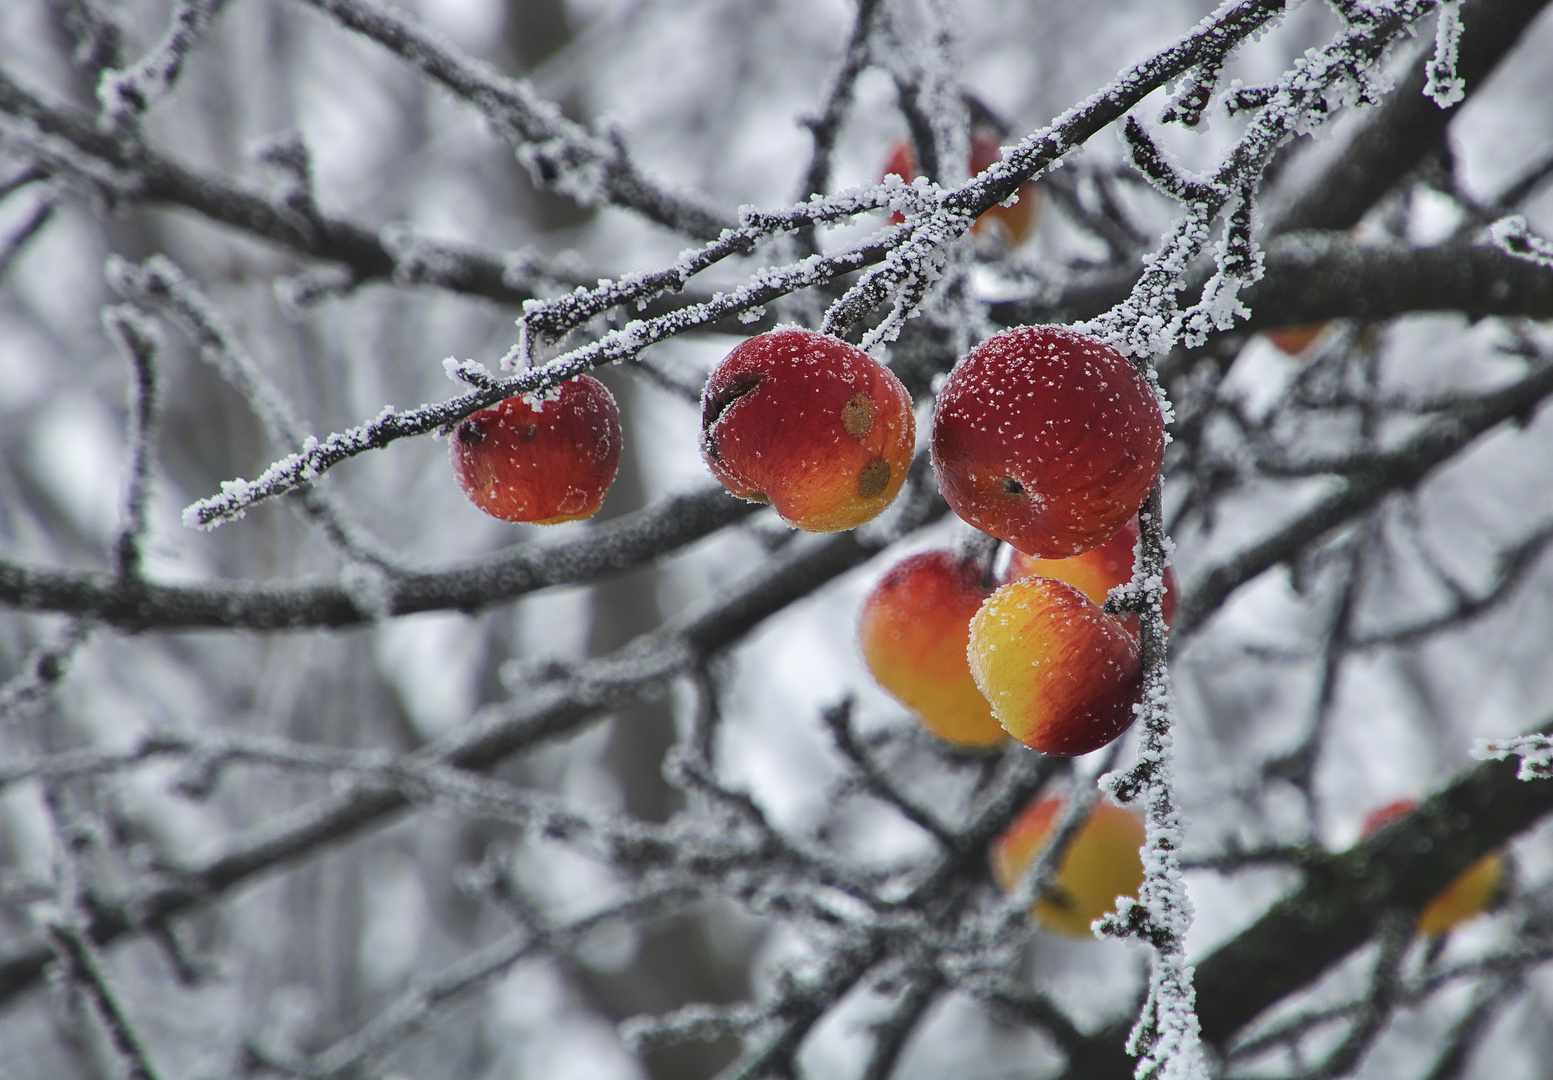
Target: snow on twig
column 1443, row 86
column 1514, row 237
column 913, row 249
column 1535, row 752
column 561, row 154
column 126, row 95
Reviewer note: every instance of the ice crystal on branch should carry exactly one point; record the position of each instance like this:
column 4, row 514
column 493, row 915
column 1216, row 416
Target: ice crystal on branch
column 1514, row 237
column 1444, row 87
column 1535, row 752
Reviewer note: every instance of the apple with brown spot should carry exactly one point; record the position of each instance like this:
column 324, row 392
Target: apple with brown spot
column 542, row 459
column 914, row 630
column 1047, row 439
column 813, row 426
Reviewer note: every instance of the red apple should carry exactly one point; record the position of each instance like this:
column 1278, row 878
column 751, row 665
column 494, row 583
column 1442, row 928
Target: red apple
column 817, row 428
column 1472, row 893
column 1293, row 340
column 1047, row 439
column 1011, row 223
column 543, row 459
column 1097, row 571
column 1061, row 674
column 915, row 628
column 1101, row 864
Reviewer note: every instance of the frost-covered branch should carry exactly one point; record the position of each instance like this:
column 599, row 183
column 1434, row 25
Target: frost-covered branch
column 1514, row 237
column 1372, row 478
column 136, row 339
column 127, row 95
column 538, row 711
column 1534, row 751
column 559, row 153
column 66, row 143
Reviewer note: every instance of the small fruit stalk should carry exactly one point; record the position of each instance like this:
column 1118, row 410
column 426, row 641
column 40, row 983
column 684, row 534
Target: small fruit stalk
column 818, row 429
column 1097, row 571
column 1477, row 889
column 1047, row 439
column 1062, row 675
column 1102, row 864
column 915, row 629
column 540, row 459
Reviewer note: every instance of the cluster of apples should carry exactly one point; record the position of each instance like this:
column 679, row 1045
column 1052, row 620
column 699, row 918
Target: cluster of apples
column 552, row 459
column 1049, row 441
column 1043, row 438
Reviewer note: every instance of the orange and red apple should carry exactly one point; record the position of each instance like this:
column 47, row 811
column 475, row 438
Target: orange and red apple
column 915, row 628
column 1101, row 864
column 1062, row 675
column 542, row 459
column 813, row 426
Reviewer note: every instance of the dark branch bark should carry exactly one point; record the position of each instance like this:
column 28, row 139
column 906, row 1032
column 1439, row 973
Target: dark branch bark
column 1361, row 489
column 1342, row 902
column 1314, row 277
column 622, row 545
column 1407, row 126
column 639, row 669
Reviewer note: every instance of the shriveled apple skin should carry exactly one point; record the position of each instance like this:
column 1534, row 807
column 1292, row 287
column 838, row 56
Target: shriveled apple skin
column 1062, row 675
column 1047, row 439
column 817, row 428
column 540, row 460
column 1102, row 863
column 914, row 630
column 1097, row 571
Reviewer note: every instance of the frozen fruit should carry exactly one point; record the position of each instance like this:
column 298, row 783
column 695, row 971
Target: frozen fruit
column 914, row 629
column 817, row 428
column 1047, row 439
column 542, row 459
column 1061, row 674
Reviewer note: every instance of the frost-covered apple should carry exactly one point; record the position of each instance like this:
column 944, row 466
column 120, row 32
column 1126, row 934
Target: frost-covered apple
column 1047, row 439
column 1101, row 864
column 914, row 630
column 543, row 459
column 1097, row 571
column 1012, row 223
column 1062, row 675
column 817, row 428
column 1475, row 891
